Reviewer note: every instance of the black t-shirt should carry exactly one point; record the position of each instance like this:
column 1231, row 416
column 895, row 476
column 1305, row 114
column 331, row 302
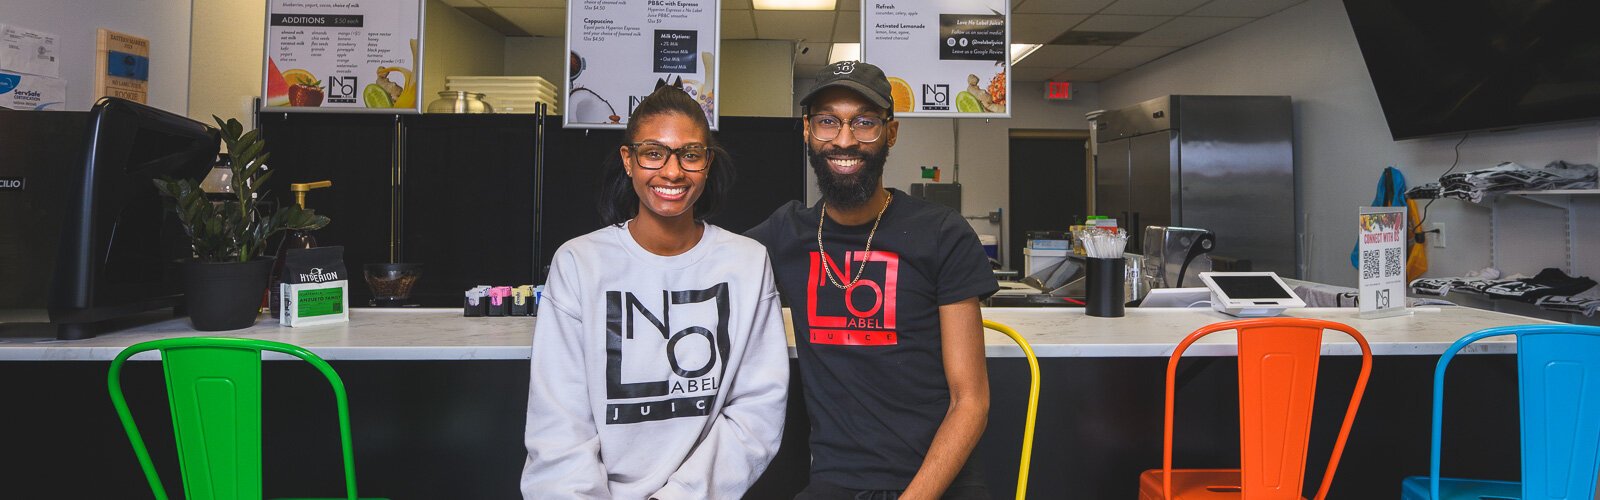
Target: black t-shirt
column 873, row 367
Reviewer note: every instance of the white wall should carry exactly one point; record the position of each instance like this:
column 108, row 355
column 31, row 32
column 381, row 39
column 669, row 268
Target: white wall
column 544, row 57
column 757, row 78
column 1342, row 142
column 225, row 67
column 456, row 45
column 164, row 22
column 985, row 149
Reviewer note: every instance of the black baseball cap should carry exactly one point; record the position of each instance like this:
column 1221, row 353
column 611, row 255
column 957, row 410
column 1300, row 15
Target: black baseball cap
column 861, row 77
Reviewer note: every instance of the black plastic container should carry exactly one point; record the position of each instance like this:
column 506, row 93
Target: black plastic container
column 1105, row 279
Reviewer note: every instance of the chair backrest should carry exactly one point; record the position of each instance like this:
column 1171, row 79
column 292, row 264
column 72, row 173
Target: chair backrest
column 1033, row 404
column 214, row 389
column 1558, row 367
column 1278, row 360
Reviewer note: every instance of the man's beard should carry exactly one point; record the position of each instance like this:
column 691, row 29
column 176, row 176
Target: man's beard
column 849, row 190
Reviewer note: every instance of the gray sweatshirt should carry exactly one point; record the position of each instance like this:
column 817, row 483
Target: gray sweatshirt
column 655, row 377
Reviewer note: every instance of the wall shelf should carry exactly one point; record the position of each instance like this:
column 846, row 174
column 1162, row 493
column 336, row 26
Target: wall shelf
column 1530, row 230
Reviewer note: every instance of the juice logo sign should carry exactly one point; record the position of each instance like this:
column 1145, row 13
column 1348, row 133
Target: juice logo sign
column 669, row 360
column 936, row 97
column 862, row 314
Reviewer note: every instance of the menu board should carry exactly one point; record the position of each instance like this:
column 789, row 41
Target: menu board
column 343, row 56
column 619, row 51
column 1381, row 248
column 944, row 58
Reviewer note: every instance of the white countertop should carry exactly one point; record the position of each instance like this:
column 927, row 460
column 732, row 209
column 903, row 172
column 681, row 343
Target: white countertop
column 443, row 334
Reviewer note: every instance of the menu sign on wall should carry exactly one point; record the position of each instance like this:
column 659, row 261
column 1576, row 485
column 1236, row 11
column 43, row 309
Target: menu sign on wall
column 1381, row 249
column 944, row 58
column 343, row 56
column 619, row 51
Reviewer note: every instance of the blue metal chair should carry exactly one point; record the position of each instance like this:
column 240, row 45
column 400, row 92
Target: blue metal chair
column 1558, row 368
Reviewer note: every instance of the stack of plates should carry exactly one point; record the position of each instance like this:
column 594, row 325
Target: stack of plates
column 508, row 94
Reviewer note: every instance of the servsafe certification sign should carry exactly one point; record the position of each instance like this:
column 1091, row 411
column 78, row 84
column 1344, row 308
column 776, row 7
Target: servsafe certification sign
column 1381, row 249
column 944, row 58
column 619, row 51
column 343, row 56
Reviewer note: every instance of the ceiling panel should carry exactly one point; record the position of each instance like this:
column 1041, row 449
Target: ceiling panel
column 812, row 54
column 847, row 28
column 1114, row 22
column 1061, row 56
column 1126, row 57
column 794, row 25
column 851, row 5
column 1087, row 74
column 537, row 22
column 1062, row 6
column 1152, row 7
column 536, row 4
column 1020, row 74
column 738, row 25
column 1243, row 8
column 1042, row 28
column 1185, row 31
column 736, row 5
column 463, row 3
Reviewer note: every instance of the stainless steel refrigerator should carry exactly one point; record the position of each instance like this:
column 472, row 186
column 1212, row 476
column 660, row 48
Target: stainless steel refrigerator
column 1222, row 163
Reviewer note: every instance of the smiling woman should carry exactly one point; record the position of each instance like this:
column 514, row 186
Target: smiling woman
column 694, row 383
column 659, row 134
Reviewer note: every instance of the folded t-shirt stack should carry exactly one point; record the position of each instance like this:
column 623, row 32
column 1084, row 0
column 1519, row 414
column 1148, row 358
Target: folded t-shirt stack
column 1476, row 185
column 1550, row 289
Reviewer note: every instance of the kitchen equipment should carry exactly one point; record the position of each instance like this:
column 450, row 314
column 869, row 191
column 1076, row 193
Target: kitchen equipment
column 459, row 101
column 1044, row 250
column 86, row 238
column 296, row 240
column 1224, row 163
column 1175, row 256
column 391, row 282
column 509, row 94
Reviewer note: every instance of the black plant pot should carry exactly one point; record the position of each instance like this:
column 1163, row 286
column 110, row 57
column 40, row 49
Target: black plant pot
column 225, row 295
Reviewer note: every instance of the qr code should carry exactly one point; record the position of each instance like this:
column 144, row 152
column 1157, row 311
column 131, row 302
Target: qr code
column 1369, row 264
column 1392, row 265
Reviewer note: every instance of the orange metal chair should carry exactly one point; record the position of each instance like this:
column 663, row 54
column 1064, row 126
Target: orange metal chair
column 1278, row 360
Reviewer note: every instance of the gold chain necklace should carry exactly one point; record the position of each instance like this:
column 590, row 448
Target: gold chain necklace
column 823, row 254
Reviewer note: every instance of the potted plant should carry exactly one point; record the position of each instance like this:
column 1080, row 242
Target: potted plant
column 224, row 281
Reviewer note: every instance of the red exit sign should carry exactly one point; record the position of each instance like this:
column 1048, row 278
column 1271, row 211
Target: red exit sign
column 1058, row 91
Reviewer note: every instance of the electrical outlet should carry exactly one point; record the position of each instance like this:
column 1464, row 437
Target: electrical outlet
column 1439, row 239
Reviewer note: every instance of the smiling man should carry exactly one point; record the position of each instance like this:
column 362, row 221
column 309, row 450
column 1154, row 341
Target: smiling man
column 883, row 289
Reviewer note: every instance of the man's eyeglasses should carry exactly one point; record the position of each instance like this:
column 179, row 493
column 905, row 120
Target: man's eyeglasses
column 864, row 128
column 652, row 156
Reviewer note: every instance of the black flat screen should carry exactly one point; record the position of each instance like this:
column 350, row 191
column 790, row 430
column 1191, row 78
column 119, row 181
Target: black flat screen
column 1449, row 66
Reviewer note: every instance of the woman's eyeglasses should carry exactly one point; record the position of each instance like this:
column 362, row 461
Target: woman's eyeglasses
column 653, row 156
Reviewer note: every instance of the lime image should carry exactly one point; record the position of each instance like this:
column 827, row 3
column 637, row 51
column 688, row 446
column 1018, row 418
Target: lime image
column 375, row 97
column 967, row 103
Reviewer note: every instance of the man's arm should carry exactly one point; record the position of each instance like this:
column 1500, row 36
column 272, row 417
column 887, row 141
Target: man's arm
column 961, row 331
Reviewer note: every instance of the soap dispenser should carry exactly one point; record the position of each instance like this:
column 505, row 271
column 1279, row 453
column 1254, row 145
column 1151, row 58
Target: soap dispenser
column 296, row 240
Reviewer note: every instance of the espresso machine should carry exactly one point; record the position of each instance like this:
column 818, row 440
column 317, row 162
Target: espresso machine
column 1175, row 256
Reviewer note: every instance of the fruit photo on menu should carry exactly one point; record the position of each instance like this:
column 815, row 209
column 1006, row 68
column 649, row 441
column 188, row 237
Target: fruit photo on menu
column 295, row 87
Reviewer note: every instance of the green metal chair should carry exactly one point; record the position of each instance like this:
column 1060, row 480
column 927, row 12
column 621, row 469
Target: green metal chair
column 214, row 388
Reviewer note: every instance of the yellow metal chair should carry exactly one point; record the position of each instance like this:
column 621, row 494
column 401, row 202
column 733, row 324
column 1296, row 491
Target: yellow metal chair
column 1033, row 404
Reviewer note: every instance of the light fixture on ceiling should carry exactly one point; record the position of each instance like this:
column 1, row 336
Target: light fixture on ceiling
column 795, row 4
column 1020, row 51
column 844, row 52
